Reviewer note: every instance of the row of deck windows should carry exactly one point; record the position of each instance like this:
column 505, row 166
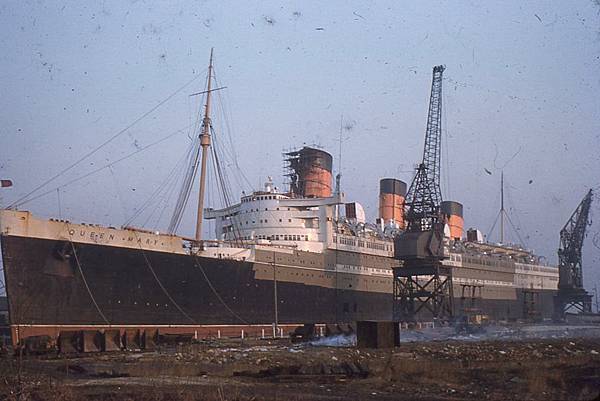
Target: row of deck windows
column 276, row 237
column 265, row 221
column 362, row 244
column 481, row 261
column 266, row 197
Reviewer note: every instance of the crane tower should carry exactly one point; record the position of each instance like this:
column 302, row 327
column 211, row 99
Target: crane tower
column 422, row 283
column 571, row 294
column 424, row 195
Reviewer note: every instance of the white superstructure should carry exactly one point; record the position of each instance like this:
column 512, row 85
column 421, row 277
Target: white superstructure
column 270, row 219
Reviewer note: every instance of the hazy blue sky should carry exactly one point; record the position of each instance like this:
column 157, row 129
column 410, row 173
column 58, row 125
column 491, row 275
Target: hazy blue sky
column 520, row 92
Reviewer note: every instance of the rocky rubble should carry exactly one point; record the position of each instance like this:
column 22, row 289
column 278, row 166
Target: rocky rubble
column 442, row 370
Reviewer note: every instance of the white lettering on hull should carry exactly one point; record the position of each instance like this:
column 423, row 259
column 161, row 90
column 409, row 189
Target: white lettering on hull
column 23, row 224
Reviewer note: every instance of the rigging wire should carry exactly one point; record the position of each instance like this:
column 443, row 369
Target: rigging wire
column 96, row 149
column 166, row 199
column 153, row 212
column 217, row 155
column 516, row 214
column 516, row 231
column 160, row 284
column 231, row 148
column 216, row 169
column 199, row 265
column 118, row 191
column 87, row 287
column 213, row 162
column 499, row 215
column 210, row 197
column 158, row 190
column 223, row 182
column 167, row 188
column 219, row 179
column 498, row 201
column 493, row 226
column 17, row 204
column 186, row 186
column 224, row 152
column 58, row 199
column 236, row 220
column 191, row 171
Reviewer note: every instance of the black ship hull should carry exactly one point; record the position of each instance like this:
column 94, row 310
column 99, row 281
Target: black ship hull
column 47, row 284
column 57, row 284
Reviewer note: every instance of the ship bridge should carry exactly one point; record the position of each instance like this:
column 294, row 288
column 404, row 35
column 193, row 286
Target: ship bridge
column 272, row 217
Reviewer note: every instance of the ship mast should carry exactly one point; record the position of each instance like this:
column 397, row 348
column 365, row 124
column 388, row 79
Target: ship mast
column 502, row 212
column 204, row 143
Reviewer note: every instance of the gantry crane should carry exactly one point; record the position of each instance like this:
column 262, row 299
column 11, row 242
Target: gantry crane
column 571, row 294
column 422, row 283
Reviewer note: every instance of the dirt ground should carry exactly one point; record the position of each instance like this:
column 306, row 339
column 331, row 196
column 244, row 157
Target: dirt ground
column 533, row 369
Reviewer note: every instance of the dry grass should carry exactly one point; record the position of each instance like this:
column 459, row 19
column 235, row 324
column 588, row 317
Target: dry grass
column 424, row 371
column 431, row 374
column 543, row 380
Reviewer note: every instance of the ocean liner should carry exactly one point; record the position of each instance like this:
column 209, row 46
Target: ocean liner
column 283, row 257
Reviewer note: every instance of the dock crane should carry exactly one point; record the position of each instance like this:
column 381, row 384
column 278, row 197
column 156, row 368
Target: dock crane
column 571, row 294
column 422, row 283
column 424, row 196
